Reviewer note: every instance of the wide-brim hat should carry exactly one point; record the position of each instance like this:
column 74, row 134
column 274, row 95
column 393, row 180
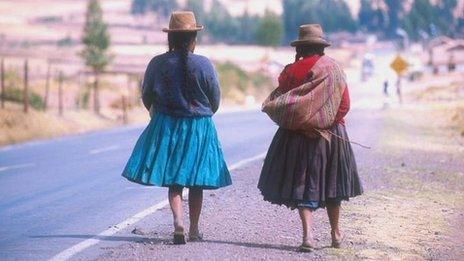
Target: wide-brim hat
column 183, row 21
column 310, row 34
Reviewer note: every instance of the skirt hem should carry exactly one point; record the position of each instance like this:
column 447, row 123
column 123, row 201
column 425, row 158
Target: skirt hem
column 205, row 187
column 292, row 203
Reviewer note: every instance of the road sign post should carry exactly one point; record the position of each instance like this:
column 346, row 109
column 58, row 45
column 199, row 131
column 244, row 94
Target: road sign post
column 400, row 66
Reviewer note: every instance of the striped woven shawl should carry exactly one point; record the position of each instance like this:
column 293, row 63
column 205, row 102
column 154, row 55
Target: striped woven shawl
column 312, row 106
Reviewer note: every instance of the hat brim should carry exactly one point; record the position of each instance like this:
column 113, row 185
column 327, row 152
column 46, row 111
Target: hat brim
column 312, row 41
column 198, row 28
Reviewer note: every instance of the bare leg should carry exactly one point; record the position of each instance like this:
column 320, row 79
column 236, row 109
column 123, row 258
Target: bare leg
column 307, row 221
column 195, row 204
column 333, row 211
column 175, row 201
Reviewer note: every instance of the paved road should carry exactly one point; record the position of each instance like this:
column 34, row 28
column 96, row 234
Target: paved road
column 72, row 185
column 53, row 190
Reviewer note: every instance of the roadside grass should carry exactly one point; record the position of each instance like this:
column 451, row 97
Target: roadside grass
column 14, row 91
column 448, row 99
column 458, row 119
column 16, row 126
column 13, row 94
column 237, row 83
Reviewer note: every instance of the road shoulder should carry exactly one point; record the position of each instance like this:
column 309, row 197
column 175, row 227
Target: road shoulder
column 414, row 190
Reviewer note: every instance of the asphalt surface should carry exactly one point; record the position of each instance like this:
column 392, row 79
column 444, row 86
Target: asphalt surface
column 57, row 193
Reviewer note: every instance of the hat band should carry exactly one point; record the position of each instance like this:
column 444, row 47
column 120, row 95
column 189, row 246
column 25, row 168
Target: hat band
column 310, row 36
column 184, row 27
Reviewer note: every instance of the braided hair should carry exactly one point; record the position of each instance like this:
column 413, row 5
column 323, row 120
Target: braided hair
column 308, row 50
column 180, row 41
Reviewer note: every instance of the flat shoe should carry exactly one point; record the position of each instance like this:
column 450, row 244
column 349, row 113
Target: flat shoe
column 179, row 238
column 196, row 237
column 306, row 248
column 336, row 243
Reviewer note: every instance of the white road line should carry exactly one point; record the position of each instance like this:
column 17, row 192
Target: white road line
column 246, row 161
column 105, row 149
column 70, row 252
column 19, row 166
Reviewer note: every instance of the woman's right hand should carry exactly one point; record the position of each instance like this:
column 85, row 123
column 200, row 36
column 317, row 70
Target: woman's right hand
column 151, row 111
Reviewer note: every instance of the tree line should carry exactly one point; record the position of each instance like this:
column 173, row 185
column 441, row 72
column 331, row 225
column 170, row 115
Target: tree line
column 220, row 25
column 425, row 19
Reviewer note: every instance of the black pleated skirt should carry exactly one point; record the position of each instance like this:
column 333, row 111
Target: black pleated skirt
column 301, row 170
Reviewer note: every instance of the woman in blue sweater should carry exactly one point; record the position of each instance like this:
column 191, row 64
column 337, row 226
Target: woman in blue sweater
column 180, row 147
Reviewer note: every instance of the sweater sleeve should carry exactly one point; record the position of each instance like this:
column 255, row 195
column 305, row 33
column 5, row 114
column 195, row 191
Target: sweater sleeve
column 214, row 89
column 344, row 106
column 147, row 86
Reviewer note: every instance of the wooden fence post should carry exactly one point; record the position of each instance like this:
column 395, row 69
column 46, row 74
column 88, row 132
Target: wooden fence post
column 124, row 109
column 139, row 88
column 60, row 93
column 79, row 87
column 47, row 87
column 2, row 81
column 125, row 100
column 26, row 87
column 96, row 94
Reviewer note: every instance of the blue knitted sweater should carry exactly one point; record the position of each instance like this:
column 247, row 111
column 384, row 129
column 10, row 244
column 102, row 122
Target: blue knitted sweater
column 164, row 86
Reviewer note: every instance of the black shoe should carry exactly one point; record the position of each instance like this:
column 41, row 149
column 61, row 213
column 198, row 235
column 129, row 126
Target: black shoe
column 179, row 239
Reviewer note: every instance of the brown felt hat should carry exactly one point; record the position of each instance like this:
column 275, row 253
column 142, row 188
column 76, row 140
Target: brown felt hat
column 310, row 34
column 183, row 21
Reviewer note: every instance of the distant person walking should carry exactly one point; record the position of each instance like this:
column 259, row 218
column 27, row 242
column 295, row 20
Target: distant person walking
column 385, row 88
column 180, row 147
column 310, row 163
column 398, row 89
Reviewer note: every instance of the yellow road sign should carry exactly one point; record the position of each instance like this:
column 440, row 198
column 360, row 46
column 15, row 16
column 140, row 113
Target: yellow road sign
column 399, row 65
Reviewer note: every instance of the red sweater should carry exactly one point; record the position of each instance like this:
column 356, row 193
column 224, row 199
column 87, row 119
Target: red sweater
column 298, row 73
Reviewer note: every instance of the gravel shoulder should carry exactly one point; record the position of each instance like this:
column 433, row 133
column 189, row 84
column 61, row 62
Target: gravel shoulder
column 412, row 207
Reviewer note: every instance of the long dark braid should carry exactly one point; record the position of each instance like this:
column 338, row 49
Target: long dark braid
column 180, row 41
column 308, row 50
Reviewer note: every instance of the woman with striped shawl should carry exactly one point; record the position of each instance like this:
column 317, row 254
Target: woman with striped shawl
column 310, row 163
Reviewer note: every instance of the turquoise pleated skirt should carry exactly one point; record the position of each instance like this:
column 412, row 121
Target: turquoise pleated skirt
column 178, row 152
